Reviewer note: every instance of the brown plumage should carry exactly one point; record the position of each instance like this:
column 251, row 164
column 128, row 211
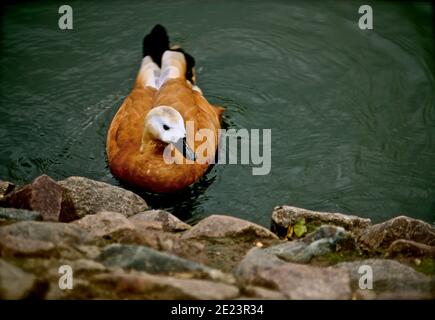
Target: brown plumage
column 134, row 149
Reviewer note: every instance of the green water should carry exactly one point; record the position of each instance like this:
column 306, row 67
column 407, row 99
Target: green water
column 352, row 112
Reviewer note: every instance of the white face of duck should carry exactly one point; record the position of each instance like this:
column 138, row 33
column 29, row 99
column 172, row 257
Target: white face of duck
column 166, row 124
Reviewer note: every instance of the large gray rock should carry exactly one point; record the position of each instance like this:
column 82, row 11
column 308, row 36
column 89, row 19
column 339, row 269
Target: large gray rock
column 104, row 224
column 381, row 236
column 390, row 278
column 324, row 240
column 146, row 286
column 152, row 261
column 90, row 197
column 285, row 216
column 12, row 214
column 45, row 196
column 160, row 220
column 220, row 226
column 295, row 281
column 14, row 282
column 34, row 238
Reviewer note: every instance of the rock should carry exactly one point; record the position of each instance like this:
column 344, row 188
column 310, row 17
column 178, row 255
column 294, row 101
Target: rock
column 390, row 277
column 255, row 260
column 324, row 240
column 12, row 214
column 85, row 265
column 161, row 241
column 90, row 197
column 117, row 228
column 45, row 196
column 14, row 282
column 219, row 226
column 17, row 246
column 82, row 290
column 34, row 238
column 262, row 293
column 159, row 219
column 295, row 281
column 149, row 260
column 227, row 239
column 411, row 249
column 141, row 285
column 5, row 188
column 285, row 216
column 381, row 236
column 104, row 224
column 88, row 251
column 145, row 259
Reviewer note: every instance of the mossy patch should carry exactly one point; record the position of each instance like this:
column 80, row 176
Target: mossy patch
column 333, row 258
column 313, row 226
column 426, row 266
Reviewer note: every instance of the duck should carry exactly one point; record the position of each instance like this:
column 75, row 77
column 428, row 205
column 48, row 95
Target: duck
column 162, row 115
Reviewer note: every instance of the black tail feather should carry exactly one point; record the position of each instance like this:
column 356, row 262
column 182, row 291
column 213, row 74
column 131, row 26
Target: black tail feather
column 157, row 42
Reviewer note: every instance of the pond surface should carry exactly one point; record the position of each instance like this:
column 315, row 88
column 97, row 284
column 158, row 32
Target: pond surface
column 352, row 111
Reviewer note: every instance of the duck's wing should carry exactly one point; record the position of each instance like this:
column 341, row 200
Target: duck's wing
column 127, row 126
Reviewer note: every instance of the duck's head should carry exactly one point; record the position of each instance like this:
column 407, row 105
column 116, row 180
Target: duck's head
column 165, row 124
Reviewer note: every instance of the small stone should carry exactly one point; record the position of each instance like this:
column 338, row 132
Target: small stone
column 285, row 216
column 45, row 196
column 220, row 226
column 90, row 197
column 417, row 262
column 381, row 236
column 14, row 282
column 159, row 219
column 12, row 214
column 104, row 224
column 259, row 244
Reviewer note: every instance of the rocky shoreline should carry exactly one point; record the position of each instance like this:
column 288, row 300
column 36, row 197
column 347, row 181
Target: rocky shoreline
column 118, row 248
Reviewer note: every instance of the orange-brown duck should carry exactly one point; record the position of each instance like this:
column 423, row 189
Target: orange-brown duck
column 154, row 117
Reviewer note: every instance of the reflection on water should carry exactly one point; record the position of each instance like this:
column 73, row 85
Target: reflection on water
column 352, row 112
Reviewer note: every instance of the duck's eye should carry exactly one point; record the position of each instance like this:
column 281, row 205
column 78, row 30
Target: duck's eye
column 165, row 127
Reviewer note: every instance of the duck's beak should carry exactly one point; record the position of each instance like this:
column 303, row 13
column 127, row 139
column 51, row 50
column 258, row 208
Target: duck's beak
column 185, row 150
